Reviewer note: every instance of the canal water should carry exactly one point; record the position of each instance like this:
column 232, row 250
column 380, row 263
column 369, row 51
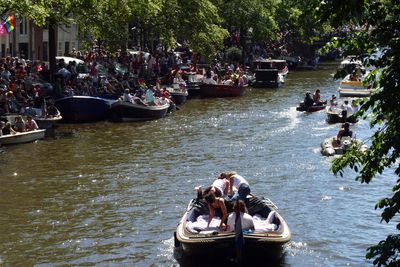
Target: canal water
column 112, row 194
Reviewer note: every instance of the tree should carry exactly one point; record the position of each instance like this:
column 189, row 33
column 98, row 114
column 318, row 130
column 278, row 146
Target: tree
column 249, row 15
column 50, row 13
column 374, row 26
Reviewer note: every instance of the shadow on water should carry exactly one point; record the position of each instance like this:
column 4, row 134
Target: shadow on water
column 197, row 261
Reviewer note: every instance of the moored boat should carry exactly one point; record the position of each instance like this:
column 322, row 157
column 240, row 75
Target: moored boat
column 43, row 122
column 178, row 94
column 267, row 78
column 127, row 111
column 23, row 137
column 83, row 108
column 267, row 239
column 47, row 122
column 330, row 146
column 220, row 90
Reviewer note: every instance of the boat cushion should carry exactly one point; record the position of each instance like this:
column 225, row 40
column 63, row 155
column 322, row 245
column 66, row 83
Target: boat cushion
column 200, row 225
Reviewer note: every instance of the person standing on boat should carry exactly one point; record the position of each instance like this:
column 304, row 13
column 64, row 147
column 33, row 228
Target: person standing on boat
column 216, row 206
column 241, row 186
column 347, row 110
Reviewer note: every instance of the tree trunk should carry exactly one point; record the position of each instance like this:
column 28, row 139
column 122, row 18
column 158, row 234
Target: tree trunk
column 52, row 48
column 243, row 42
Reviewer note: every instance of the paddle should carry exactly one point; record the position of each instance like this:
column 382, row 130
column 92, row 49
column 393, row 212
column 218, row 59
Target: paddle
column 239, row 239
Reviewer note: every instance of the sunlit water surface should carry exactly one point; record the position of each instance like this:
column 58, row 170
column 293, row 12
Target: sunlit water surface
column 109, row 194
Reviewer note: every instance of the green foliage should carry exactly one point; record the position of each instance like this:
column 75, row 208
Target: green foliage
column 375, row 26
column 234, row 54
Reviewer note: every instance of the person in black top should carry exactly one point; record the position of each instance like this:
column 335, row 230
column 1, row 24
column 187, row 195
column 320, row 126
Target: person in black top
column 344, row 132
column 308, row 100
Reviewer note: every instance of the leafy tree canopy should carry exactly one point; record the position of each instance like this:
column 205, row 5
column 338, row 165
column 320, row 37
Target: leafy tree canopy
column 373, row 29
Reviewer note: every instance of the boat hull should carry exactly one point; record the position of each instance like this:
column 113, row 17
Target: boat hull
column 328, row 147
column 267, row 78
column 265, row 244
column 219, row 90
column 125, row 111
column 83, row 108
column 310, row 108
column 48, row 123
column 337, row 117
column 179, row 98
column 19, row 138
column 349, row 88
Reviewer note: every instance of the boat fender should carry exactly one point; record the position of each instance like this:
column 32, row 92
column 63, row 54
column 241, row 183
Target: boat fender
column 329, row 151
column 176, row 241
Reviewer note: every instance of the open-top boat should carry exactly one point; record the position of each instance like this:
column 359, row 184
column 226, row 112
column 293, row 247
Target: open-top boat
column 220, row 90
column 127, row 111
column 337, row 115
column 349, row 88
column 312, row 108
column 83, row 108
column 43, row 122
column 178, row 94
column 23, row 137
column 330, row 146
column 267, row 239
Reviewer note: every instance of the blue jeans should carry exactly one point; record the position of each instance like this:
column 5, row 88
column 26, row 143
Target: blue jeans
column 242, row 192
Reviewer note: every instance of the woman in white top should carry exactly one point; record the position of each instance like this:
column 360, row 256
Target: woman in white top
column 237, row 182
column 246, row 219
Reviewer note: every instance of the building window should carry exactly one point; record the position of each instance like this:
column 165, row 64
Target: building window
column 59, row 46
column 21, row 26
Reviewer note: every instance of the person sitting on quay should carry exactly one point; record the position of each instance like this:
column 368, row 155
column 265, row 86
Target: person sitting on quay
column 30, row 124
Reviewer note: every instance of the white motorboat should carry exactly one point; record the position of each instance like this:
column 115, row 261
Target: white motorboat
column 24, row 137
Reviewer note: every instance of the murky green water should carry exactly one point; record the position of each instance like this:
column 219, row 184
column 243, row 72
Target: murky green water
column 109, row 194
